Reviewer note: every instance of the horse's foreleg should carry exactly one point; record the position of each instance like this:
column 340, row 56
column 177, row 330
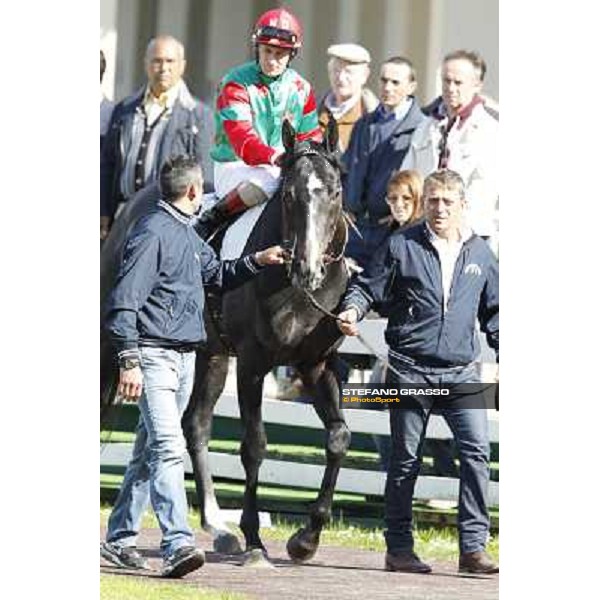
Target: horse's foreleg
column 305, row 542
column 211, row 372
column 253, row 450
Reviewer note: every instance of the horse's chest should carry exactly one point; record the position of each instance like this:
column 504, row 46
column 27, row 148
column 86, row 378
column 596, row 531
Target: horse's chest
column 294, row 321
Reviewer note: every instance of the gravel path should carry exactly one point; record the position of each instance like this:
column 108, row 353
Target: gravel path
column 334, row 573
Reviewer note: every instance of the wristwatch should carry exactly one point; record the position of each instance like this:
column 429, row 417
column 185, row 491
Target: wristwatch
column 129, row 363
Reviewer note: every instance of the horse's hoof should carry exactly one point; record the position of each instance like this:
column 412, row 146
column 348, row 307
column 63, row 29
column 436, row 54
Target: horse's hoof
column 257, row 559
column 303, row 545
column 227, row 543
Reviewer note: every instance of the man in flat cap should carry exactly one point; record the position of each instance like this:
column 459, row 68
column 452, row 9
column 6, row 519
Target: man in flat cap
column 348, row 99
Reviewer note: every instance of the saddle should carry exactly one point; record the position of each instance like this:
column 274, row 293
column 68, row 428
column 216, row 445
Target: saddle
column 214, row 297
column 228, row 242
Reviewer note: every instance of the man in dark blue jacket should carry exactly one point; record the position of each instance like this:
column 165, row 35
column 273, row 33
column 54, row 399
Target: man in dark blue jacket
column 378, row 144
column 437, row 279
column 154, row 319
column 161, row 120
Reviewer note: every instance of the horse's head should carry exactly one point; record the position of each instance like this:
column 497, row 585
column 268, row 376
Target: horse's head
column 311, row 204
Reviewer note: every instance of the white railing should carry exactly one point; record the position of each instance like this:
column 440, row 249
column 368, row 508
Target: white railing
column 288, row 473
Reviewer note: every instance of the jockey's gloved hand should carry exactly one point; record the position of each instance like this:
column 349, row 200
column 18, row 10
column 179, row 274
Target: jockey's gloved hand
column 277, row 159
column 288, row 246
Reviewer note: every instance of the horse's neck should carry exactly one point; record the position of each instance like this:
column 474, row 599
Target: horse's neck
column 267, row 229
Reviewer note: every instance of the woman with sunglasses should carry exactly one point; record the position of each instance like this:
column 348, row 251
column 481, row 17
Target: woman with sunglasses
column 404, row 197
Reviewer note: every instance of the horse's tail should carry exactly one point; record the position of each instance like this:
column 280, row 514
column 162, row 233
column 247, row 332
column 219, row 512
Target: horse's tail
column 108, row 387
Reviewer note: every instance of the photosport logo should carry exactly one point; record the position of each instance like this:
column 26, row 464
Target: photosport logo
column 410, row 395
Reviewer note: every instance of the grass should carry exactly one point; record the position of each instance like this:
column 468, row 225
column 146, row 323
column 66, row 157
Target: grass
column 430, row 543
column 115, row 587
column 433, row 543
column 352, row 508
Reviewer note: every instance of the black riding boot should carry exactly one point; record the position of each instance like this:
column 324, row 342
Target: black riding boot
column 219, row 214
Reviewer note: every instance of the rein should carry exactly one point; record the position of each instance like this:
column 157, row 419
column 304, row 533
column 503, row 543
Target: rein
column 386, row 363
column 361, row 339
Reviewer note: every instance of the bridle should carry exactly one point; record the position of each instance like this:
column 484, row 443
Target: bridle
column 290, row 245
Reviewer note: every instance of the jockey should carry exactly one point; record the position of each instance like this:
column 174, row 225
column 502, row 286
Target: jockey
column 253, row 101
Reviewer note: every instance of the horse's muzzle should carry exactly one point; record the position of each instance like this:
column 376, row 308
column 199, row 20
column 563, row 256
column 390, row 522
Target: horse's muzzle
column 306, row 278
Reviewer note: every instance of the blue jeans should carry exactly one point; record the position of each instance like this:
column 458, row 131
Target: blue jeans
column 156, row 471
column 470, row 429
column 383, row 443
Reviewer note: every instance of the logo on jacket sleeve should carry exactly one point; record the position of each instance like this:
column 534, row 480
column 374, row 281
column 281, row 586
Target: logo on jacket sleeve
column 473, row 269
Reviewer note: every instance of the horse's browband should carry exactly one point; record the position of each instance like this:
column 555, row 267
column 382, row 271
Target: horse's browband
column 312, row 152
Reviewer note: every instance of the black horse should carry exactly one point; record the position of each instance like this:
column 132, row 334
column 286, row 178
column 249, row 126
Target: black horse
column 274, row 320
column 279, row 318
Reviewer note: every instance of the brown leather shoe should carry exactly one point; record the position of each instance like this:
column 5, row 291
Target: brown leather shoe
column 477, row 562
column 406, row 562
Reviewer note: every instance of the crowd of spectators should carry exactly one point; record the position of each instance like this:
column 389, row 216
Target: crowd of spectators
column 377, row 134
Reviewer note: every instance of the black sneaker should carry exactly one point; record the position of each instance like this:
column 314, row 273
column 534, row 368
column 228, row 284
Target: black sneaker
column 125, row 557
column 183, row 561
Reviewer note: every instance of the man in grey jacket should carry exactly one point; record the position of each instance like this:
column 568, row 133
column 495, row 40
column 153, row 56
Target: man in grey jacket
column 160, row 120
column 461, row 133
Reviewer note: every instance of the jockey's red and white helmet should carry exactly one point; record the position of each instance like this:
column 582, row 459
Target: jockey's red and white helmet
column 278, row 27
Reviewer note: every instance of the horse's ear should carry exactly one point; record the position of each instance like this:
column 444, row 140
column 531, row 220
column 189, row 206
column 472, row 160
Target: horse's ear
column 330, row 141
column 288, row 136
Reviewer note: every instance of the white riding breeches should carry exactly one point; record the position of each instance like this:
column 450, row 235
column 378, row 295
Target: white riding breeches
column 228, row 175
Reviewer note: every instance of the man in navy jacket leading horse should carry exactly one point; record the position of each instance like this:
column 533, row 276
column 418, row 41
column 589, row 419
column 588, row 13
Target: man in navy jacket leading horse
column 437, row 279
column 154, row 318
